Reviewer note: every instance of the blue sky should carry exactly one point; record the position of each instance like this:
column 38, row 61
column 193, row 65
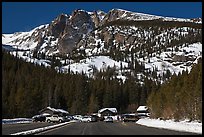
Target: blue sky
column 24, row 16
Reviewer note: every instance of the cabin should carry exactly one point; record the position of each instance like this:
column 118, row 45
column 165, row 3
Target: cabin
column 107, row 112
column 52, row 111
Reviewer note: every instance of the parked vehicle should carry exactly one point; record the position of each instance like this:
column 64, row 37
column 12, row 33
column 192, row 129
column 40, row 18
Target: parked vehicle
column 143, row 114
column 68, row 118
column 143, row 111
column 129, row 117
column 40, row 118
column 55, row 118
column 108, row 119
column 86, row 119
column 101, row 118
column 77, row 117
column 94, row 118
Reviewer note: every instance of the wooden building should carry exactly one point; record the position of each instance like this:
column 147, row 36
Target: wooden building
column 107, row 112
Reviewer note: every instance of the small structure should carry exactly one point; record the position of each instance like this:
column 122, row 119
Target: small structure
column 105, row 112
column 143, row 111
column 52, row 111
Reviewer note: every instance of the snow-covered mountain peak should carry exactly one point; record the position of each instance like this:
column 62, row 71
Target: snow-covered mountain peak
column 146, row 44
column 121, row 14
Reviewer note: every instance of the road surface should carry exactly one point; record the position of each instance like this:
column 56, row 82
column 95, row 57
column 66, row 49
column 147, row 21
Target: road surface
column 8, row 129
column 115, row 128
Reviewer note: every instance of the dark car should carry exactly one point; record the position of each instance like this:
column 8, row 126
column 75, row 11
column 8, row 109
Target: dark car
column 94, row 118
column 38, row 118
column 101, row 118
column 68, row 118
column 129, row 117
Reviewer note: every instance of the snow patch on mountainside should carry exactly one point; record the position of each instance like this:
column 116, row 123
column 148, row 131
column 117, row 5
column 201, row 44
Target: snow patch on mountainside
column 89, row 64
column 21, row 40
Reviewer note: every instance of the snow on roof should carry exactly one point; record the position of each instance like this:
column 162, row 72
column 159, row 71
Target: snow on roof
column 45, row 114
column 52, row 109
column 62, row 111
column 142, row 108
column 114, row 110
column 57, row 110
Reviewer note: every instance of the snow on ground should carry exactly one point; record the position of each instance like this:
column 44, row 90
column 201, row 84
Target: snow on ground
column 29, row 120
column 184, row 125
column 16, row 120
column 98, row 62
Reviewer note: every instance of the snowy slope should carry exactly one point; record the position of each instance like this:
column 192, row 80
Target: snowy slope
column 21, row 40
column 98, row 62
column 160, row 63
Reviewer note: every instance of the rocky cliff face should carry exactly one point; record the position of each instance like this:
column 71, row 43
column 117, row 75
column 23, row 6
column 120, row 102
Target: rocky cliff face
column 78, row 25
column 90, row 29
column 68, row 30
column 56, row 28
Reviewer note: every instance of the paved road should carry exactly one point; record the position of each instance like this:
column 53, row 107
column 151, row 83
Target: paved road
column 8, row 129
column 116, row 128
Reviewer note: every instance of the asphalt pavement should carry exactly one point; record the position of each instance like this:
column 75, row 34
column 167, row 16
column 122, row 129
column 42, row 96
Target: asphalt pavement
column 8, row 129
column 115, row 128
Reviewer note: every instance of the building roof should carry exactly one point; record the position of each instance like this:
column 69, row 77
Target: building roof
column 62, row 111
column 114, row 110
column 142, row 108
column 56, row 110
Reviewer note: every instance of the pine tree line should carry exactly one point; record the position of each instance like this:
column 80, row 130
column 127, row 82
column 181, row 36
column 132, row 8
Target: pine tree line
column 180, row 97
column 28, row 88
